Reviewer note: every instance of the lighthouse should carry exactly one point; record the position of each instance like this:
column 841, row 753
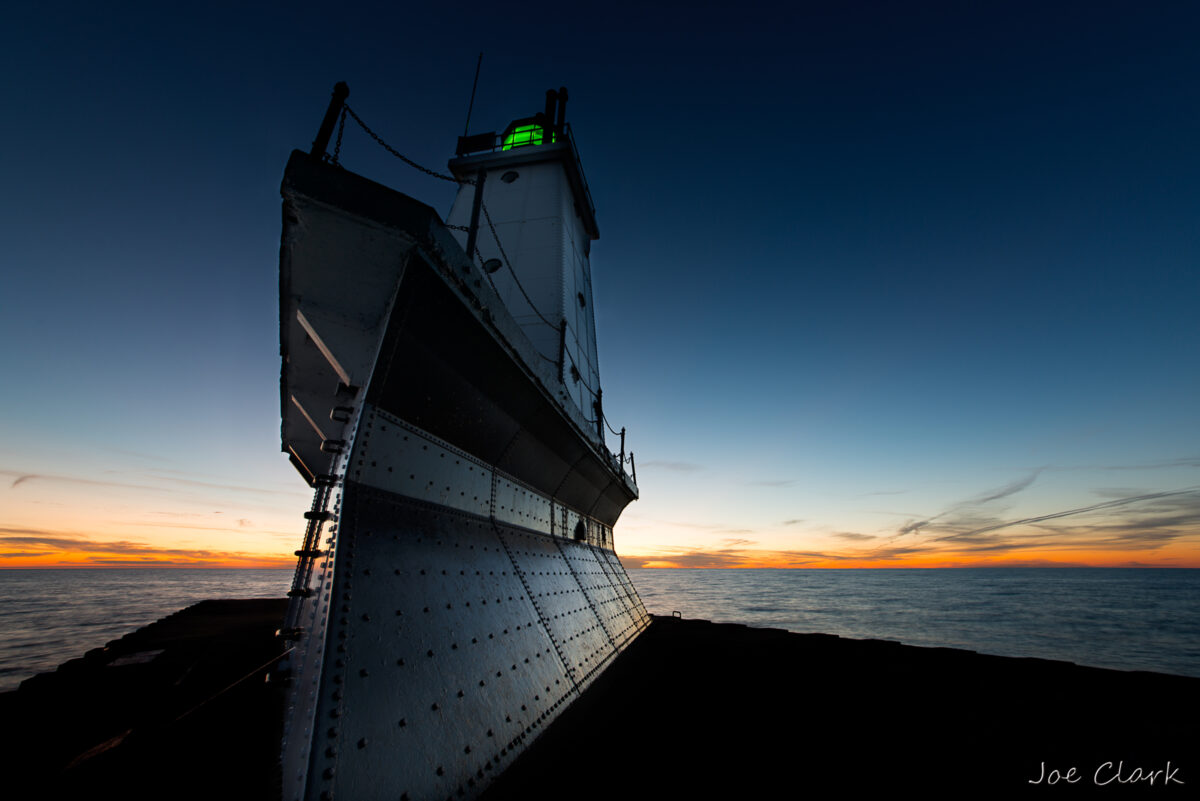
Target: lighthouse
column 532, row 235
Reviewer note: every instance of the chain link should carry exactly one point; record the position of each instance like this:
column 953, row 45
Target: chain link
column 337, row 148
column 397, row 153
column 513, row 272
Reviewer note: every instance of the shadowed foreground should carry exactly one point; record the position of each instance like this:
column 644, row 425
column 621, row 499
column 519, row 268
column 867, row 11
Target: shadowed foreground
column 691, row 710
column 177, row 709
column 694, row 709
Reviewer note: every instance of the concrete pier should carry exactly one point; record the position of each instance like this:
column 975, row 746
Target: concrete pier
column 180, row 709
column 177, row 709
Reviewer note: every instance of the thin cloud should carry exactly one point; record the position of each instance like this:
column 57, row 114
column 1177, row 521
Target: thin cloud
column 964, row 507
column 24, row 478
column 774, row 482
column 793, row 522
column 79, row 549
column 853, row 536
column 1008, row 489
column 676, row 467
column 734, row 557
column 1114, row 504
column 1186, row 461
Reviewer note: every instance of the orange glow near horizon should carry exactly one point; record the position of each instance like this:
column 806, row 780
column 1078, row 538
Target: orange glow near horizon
column 65, row 521
column 1187, row 558
column 72, row 550
column 100, row 557
column 1176, row 555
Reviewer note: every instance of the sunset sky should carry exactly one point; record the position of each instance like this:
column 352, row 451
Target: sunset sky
column 878, row 284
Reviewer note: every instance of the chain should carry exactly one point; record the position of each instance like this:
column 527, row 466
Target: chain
column 337, row 148
column 397, row 153
column 336, row 152
column 513, row 272
column 616, row 433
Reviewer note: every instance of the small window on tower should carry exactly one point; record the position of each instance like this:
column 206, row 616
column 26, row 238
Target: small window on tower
column 582, row 300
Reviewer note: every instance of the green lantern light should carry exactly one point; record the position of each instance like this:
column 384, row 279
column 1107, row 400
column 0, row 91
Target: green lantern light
column 524, row 135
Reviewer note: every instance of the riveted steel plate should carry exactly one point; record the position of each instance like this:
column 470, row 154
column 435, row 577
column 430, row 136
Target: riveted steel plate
column 453, row 640
column 608, row 600
column 561, row 603
column 395, row 456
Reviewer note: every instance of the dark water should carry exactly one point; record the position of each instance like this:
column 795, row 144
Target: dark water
column 1128, row 619
column 50, row 616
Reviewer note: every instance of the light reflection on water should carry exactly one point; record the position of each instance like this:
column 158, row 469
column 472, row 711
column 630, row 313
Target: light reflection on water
column 1129, row 619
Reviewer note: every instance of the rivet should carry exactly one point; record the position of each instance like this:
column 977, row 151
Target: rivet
column 362, row 743
column 403, row 722
column 364, row 673
column 440, row 772
column 434, row 707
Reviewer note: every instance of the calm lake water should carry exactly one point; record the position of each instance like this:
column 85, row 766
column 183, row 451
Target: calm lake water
column 50, row 616
column 1123, row 618
column 1129, row 619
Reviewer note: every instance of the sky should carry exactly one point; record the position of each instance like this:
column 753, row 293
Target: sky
column 877, row 285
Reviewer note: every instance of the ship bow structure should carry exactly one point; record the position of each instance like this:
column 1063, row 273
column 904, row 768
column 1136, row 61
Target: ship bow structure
column 457, row 587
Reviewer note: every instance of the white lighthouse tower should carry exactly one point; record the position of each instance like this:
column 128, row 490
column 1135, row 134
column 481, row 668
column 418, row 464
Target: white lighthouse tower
column 534, row 233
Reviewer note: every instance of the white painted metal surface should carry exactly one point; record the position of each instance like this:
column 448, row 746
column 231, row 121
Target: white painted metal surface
column 548, row 247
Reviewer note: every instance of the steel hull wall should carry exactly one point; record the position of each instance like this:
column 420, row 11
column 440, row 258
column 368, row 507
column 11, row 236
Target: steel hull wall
column 465, row 590
column 454, row 636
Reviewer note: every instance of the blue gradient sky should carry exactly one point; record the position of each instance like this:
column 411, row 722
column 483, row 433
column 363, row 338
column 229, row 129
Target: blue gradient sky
column 876, row 282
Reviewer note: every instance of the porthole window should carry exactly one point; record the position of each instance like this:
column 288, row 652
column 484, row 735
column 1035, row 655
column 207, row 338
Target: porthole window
column 510, row 176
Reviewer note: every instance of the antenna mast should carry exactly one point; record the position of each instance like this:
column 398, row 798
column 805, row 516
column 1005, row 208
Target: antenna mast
column 471, row 105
